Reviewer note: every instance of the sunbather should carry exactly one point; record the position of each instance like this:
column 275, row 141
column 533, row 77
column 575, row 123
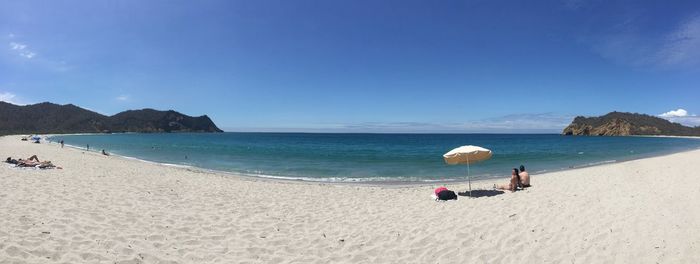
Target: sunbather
column 14, row 161
column 34, row 157
column 524, row 177
column 28, row 163
column 11, row 160
column 513, row 184
column 32, row 161
column 47, row 165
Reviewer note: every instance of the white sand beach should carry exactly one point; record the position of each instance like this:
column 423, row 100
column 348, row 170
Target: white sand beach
column 100, row 209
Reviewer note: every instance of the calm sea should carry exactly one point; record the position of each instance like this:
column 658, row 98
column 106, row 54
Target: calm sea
column 375, row 157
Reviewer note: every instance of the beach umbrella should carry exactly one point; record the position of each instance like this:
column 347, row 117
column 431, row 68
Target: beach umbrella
column 467, row 155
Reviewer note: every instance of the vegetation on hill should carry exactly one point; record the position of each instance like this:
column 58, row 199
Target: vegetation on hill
column 49, row 118
column 625, row 124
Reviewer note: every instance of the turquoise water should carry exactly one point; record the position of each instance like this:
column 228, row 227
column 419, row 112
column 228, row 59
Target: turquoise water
column 375, row 157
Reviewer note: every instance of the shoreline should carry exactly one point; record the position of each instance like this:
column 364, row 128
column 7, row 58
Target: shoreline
column 364, row 181
column 117, row 210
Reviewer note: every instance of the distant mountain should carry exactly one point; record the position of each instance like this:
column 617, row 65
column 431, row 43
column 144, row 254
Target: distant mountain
column 625, row 124
column 149, row 120
column 49, row 118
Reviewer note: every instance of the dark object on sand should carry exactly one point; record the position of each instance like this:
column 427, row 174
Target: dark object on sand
column 445, row 195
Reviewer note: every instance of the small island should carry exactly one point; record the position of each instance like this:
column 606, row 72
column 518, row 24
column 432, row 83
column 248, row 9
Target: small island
column 627, row 124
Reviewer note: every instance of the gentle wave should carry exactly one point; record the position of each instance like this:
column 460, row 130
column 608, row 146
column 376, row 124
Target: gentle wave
column 372, row 157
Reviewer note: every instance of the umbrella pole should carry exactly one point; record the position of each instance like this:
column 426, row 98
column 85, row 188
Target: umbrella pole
column 469, row 178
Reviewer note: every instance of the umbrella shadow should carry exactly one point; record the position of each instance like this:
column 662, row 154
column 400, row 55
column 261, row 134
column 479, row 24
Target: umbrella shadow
column 481, row 193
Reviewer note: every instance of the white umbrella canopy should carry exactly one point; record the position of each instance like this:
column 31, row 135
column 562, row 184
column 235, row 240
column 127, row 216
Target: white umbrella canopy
column 467, row 155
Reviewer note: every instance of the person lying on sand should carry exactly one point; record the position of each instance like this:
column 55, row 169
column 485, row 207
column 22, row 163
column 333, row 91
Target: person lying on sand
column 37, row 164
column 513, row 184
column 47, row 165
column 14, row 161
column 11, row 160
column 32, row 161
column 28, row 163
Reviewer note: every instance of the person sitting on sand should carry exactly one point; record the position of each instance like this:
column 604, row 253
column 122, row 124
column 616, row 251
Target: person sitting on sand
column 513, row 184
column 524, row 177
column 105, row 153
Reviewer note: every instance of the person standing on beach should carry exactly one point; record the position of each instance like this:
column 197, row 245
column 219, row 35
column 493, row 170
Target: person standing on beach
column 88, row 147
column 524, row 177
column 61, row 143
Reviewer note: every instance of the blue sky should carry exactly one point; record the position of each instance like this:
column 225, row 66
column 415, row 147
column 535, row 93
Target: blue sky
column 358, row 66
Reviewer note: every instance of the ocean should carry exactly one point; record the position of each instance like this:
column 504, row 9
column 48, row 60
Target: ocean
column 374, row 157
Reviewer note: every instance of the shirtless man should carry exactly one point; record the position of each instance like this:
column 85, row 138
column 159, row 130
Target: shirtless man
column 524, row 177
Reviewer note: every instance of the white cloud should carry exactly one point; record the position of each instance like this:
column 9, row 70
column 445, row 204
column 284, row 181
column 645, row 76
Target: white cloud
column 27, row 55
column 682, row 117
column 7, row 97
column 22, row 50
column 17, row 46
column 675, row 113
column 122, row 98
column 10, row 98
column 692, row 120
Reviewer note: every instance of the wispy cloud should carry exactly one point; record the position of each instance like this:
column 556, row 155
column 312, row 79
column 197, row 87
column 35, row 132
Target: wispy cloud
column 22, row 50
column 17, row 47
column 9, row 97
column 573, row 4
column 682, row 47
column 122, row 98
column 624, row 44
column 681, row 116
column 517, row 123
column 520, row 123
